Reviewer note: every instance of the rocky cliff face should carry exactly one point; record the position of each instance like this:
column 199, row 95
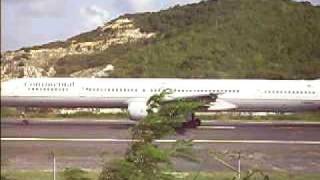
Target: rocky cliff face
column 39, row 61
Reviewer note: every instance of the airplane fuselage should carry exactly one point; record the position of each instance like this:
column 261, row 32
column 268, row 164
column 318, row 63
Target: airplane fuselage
column 236, row 95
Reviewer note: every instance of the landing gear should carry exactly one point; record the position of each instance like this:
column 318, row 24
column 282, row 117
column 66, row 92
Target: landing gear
column 22, row 116
column 192, row 122
column 25, row 122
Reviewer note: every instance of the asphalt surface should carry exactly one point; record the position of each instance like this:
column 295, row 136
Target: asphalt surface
column 113, row 130
column 23, row 154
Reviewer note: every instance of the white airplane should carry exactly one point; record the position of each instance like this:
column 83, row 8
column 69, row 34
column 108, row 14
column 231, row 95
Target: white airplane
column 223, row 95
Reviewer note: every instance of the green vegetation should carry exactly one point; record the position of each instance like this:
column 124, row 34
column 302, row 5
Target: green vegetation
column 45, row 175
column 55, row 44
column 8, row 112
column 85, row 114
column 274, row 39
column 75, row 174
column 49, row 113
column 305, row 116
column 145, row 159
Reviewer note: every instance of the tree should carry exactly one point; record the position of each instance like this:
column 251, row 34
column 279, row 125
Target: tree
column 145, row 159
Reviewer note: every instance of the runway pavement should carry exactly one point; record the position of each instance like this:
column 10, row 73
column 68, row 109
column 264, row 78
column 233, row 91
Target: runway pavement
column 271, row 146
column 209, row 131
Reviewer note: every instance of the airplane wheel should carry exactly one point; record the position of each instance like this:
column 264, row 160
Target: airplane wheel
column 25, row 122
column 194, row 123
column 198, row 122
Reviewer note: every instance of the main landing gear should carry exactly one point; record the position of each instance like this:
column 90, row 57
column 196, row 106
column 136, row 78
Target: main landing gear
column 192, row 122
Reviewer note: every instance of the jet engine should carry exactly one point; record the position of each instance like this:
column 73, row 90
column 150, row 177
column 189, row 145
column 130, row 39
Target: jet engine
column 137, row 110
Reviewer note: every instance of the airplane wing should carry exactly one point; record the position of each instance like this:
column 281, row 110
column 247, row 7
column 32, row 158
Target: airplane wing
column 221, row 105
column 211, row 101
column 206, row 98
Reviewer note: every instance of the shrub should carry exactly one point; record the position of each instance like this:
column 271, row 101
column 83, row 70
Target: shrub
column 75, row 174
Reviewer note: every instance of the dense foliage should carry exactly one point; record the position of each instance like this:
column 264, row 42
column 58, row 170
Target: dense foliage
column 75, row 174
column 274, row 39
column 145, row 159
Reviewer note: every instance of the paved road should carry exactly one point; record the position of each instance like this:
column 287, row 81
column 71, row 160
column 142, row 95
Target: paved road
column 112, row 130
column 87, row 154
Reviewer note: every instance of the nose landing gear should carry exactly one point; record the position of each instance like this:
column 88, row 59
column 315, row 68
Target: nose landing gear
column 22, row 116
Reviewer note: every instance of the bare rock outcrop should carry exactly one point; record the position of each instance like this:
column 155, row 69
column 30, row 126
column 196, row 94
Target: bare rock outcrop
column 39, row 61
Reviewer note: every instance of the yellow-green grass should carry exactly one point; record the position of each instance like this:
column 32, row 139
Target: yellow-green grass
column 47, row 175
column 40, row 175
column 306, row 116
column 303, row 116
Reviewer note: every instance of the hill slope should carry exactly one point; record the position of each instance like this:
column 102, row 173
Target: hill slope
column 274, row 39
